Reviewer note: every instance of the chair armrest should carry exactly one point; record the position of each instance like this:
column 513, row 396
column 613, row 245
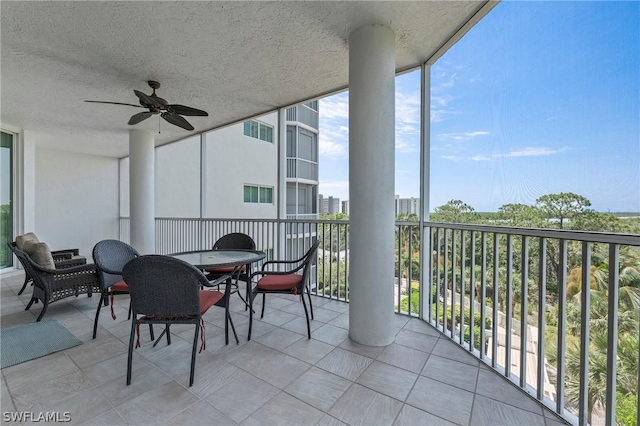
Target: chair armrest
column 65, row 271
column 61, row 255
column 74, row 252
column 218, row 281
column 269, row 262
column 255, row 274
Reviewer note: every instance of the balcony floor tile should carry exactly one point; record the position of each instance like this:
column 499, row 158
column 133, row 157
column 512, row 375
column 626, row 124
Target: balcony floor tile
column 279, row 377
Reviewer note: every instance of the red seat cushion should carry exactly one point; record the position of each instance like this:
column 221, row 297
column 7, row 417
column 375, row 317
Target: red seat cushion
column 226, row 269
column 209, row 298
column 280, row 282
column 120, row 286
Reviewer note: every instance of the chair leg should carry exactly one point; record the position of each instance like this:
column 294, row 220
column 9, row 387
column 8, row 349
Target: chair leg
column 306, row 313
column 129, row 316
column 234, row 330
column 264, row 300
column 168, row 335
column 44, row 309
column 95, row 321
column 310, row 305
column 251, row 297
column 227, row 318
column 130, row 356
column 151, row 332
column 33, row 299
column 193, row 353
column 26, row 281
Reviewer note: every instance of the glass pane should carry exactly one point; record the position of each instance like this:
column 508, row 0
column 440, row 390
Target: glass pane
column 254, row 129
column 254, row 194
column 269, row 134
column 263, row 132
column 247, row 194
column 6, row 199
column 247, row 128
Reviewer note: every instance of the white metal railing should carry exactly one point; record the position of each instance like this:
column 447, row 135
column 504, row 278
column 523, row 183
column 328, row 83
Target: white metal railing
column 504, row 294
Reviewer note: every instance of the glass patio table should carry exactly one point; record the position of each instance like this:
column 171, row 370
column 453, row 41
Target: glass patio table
column 232, row 260
column 206, row 259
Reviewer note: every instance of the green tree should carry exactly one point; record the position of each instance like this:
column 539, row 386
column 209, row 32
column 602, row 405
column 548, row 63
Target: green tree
column 455, row 211
column 562, row 206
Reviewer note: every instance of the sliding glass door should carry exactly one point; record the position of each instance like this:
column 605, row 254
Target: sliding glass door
column 6, row 198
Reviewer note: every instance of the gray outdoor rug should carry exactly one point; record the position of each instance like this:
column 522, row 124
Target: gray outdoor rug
column 31, row 341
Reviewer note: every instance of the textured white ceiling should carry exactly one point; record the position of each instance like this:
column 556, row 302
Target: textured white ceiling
column 231, row 59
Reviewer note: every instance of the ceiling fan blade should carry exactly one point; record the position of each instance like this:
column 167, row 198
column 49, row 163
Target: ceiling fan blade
column 147, row 100
column 115, row 103
column 136, row 118
column 185, row 110
column 176, row 120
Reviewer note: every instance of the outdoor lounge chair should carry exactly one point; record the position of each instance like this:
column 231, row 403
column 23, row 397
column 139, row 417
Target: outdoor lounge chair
column 52, row 284
column 62, row 258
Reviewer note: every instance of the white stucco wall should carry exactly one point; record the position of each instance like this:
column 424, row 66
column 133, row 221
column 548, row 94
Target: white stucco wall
column 234, row 160
column 178, row 179
column 76, row 199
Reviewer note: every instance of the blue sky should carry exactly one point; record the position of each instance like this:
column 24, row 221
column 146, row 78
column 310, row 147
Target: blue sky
column 538, row 98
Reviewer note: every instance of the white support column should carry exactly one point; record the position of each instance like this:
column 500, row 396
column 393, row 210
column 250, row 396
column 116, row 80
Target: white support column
column 425, row 191
column 371, row 184
column 280, row 248
column 142, row 190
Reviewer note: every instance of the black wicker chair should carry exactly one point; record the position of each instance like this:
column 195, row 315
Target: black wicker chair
column 110, row 256
column 167, row 291
column 234, row 241
column 287, row 282
column 51, row 285
column 63, row 259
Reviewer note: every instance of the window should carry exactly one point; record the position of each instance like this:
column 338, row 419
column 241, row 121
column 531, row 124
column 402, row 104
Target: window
column 6, row 198
column 258, row 130
column 258, row 194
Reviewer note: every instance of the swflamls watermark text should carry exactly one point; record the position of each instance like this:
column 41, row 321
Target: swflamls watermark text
column 33, row 416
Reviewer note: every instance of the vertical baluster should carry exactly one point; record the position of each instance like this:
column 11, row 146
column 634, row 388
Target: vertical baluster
column 542, row 303
column 399, row 270
column 524, row 309
column 562, row 325
column 454, row 265
column 472, row 291
column 346, row 261
column 612, row 333
column 494, row 312
column 445, row 287
column 409, row 274
column 508, row 328
column 338, row 263
column 585, row 317
column 483, row 295
column 462, row 278
column 428, row 256
column 437, row 268
column 330, row 260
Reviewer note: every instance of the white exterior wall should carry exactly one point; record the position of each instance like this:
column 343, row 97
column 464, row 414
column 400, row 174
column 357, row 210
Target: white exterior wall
column 234, row 160
column 178, row 179
column 76, row 199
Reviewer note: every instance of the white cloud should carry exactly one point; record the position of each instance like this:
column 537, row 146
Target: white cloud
column 462, row 136
column 524, row 152
column 335, row 107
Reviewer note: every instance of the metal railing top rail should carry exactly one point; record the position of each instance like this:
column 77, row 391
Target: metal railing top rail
column 587, row 236
column 564, row 234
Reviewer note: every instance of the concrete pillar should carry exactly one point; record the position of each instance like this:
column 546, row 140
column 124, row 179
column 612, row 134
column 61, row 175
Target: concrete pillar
column 371, row 184
column 142, row 190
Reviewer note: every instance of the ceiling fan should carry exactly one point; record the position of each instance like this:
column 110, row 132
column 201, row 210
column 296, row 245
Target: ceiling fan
column 170, row 112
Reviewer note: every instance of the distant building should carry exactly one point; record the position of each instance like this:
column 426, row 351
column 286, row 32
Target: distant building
column 407, row 205
column 328, row 205
column 345, row 207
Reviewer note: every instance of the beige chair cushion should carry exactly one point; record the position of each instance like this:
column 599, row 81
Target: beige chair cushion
column 40, row 254
column 21, row 239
